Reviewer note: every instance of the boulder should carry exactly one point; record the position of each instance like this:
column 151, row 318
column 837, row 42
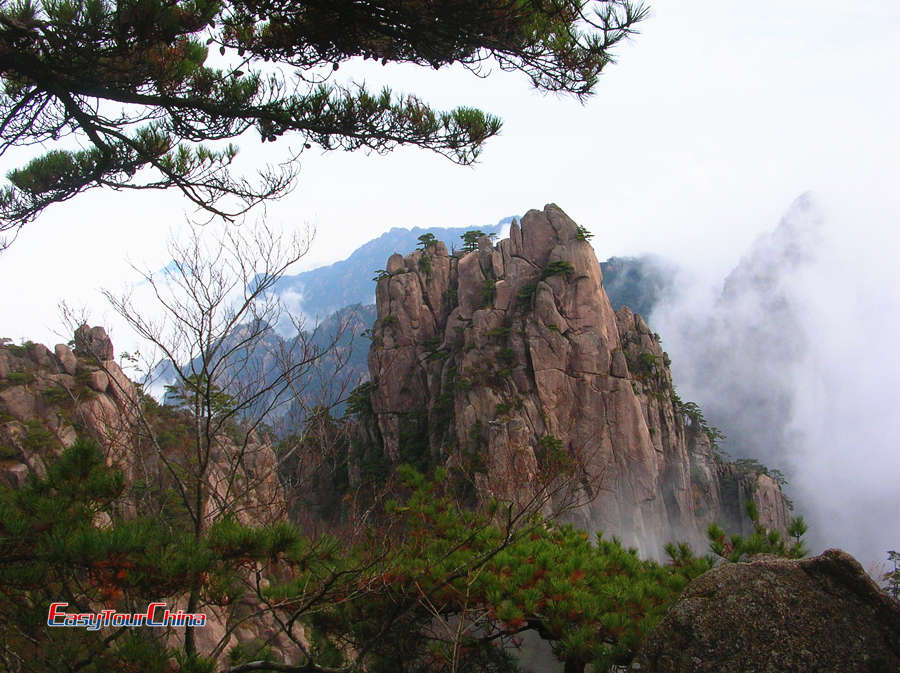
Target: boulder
column 99, row 381
column 66, row 359
column 94, row 343
column 18, row 402
column 41, row 355
column 818, row 614
column 13, row 473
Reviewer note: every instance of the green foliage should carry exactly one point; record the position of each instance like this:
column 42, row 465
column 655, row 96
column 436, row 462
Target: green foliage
column 592, row 602
column 83, row 381
column 20, row 378
column 498, row 332
column 452, row 295
column 19, row 351
column 425, row 264
column 470, row 240
column 797, row 529
column 374, row 600
column 647, row 362
column 199, row 395
column 413, row 445
column 556, row 269
column 381, row 274
column 891, row 578
column 427, row 240
column 194, row 663
column 753, row 465
column 736, row 548
column 38, row 438
column 53, row 550
column 551, row 453
column 524, row 295
column 150, row 59
column 692, row 412
column 433, row 343
column 359, row 401
column 56, row 396
column 488, row 292
column 583, row 234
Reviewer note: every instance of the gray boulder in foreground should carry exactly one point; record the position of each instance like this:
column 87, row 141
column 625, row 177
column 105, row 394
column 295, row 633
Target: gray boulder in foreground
column 818, row 614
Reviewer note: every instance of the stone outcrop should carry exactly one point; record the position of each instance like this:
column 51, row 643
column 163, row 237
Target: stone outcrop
column 500, row 361
column 816, row 614
column 93, row 342
column 50, row 398
column 47, row 399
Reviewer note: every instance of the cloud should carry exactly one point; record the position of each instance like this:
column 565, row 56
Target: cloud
column 792, row 355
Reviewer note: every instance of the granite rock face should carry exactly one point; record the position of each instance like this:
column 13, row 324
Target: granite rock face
column 503, row 359
column 821, row 614
column 48, row 399
column 93, row 342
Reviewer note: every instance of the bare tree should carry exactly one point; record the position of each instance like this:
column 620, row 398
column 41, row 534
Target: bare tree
column 232, row 373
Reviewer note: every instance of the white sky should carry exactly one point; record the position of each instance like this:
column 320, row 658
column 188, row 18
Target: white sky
column 715, row 118
column 712, row 121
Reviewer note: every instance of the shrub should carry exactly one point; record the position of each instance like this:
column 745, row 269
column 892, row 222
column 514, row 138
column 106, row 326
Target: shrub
column 37, row 437
column 56, row 396
column 359, row 401
column 892, row 577
column 489, row 291
column 556, row 268
column 735, row 548
column 8, row 453
column 470, row 240
column 20, row 378
column 526, row 293
column 20, row 351
column 647, row 362
column 427, row 241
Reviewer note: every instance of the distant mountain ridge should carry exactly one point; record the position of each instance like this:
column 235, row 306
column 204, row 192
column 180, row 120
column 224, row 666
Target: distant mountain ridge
column 330, row 295
column 324, row 290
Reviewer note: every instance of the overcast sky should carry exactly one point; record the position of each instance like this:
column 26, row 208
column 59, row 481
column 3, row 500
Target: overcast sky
column 713, row 120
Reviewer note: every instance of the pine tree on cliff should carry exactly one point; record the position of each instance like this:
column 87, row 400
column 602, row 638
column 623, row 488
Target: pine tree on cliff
column 130, row 80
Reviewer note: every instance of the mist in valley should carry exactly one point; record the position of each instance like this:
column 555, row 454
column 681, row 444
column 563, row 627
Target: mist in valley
column 793, row 356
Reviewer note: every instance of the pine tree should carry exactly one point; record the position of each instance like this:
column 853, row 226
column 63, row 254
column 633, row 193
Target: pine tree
column 470, row 240
column 736, row 548
column 456, row 583
column 132, row 82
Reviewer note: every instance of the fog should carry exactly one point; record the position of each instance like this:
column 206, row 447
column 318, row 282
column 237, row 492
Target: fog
column 793, row 355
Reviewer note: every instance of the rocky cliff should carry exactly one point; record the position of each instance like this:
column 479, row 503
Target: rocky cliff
column 49, row 398
column 502, row 361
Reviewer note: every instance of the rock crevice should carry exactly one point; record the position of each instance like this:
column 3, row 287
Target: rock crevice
column 496, row 360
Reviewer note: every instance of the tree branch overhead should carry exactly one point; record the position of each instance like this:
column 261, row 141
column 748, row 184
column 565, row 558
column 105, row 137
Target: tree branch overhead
column 130, row 80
